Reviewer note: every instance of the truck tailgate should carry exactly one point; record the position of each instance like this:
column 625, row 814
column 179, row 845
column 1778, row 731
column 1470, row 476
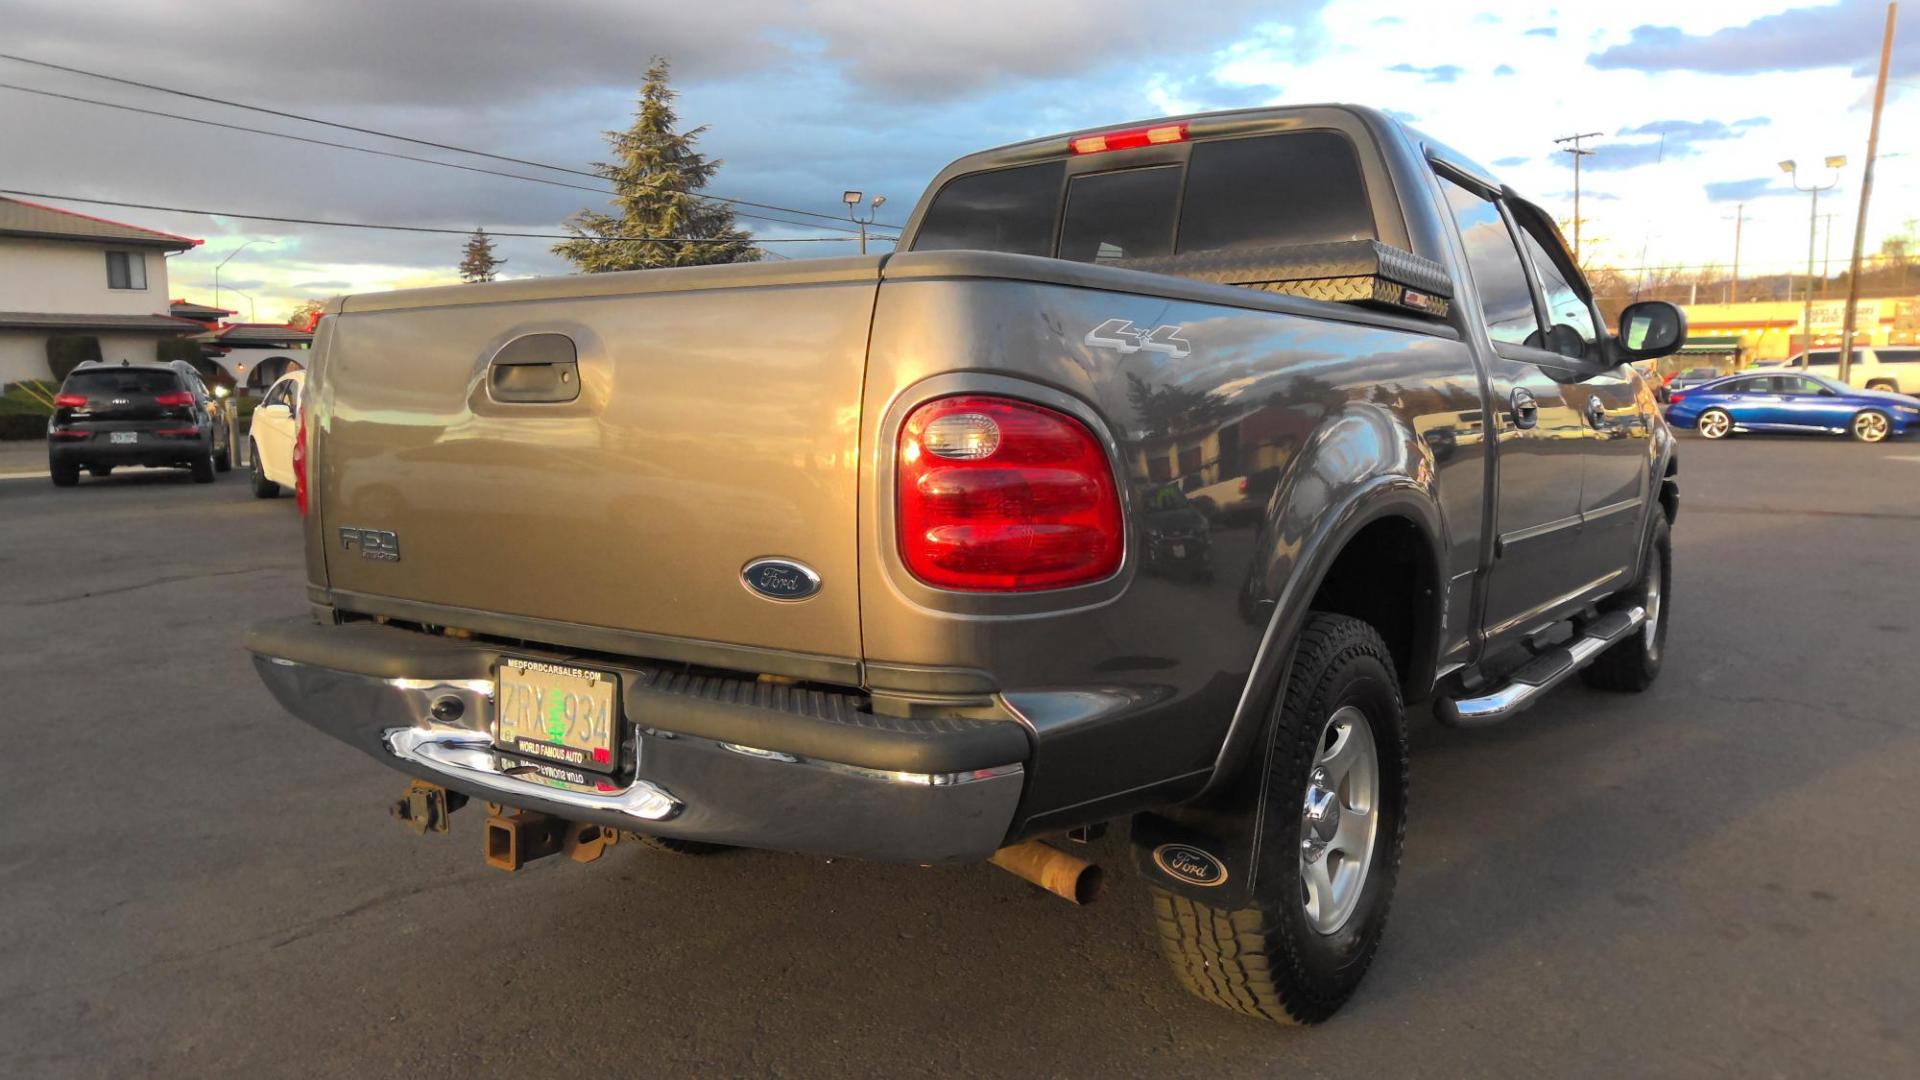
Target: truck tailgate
column 716, row 422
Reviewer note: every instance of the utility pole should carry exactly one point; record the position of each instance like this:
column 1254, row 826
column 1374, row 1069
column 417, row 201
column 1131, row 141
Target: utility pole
column 1578, row 152
column 1866, row 192
column 1739, row 219
column 1836, row 162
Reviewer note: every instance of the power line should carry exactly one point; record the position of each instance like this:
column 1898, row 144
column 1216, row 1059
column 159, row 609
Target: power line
column 425, row 228
column 384, row 134
column 378, row 153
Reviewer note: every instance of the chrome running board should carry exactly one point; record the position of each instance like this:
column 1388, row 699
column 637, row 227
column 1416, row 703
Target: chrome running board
column 1541, row 674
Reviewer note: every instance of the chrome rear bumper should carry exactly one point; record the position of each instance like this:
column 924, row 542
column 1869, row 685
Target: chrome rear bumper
column 681, row 785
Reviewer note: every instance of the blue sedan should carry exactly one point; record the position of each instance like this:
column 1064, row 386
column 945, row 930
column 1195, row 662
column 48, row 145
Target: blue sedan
column 1791, row 402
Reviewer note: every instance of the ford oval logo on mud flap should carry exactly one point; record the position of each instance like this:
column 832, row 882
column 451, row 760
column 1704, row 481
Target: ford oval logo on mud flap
column 780, row 579
column 1184, row 862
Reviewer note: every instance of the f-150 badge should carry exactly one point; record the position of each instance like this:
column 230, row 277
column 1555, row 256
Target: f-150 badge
column 1122, row 336
column 380, row 544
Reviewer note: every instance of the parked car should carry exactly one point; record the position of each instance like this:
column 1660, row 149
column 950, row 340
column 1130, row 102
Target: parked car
column 106, row 416
column 1792, row 402
column 1177, row 540
column 1692, row 377
column 835, row 556
column 1895, row 368
column 270, row 442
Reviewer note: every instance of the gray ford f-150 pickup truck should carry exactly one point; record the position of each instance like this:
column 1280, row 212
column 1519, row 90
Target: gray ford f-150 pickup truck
column 891, row 556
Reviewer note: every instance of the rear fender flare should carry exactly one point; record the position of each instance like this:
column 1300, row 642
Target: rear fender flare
column 1363, row 465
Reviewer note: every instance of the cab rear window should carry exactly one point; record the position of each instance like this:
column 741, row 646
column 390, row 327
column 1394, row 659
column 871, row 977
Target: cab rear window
column 1293, row 188
column 110, row 381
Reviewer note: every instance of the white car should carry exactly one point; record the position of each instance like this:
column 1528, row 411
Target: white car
column 270, row 442
column 1895, row 368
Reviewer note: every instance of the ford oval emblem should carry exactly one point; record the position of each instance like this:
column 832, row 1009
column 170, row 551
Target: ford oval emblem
column 1184, row 862
column 780, row 579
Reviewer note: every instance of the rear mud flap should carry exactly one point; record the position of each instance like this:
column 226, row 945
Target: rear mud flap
column 1218, row 850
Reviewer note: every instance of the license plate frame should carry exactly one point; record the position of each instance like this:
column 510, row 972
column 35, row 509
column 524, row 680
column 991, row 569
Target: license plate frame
column 561, row 713
column 123, row 438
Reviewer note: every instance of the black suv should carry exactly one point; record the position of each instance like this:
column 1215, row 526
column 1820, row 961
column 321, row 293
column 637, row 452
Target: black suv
column 137, row 414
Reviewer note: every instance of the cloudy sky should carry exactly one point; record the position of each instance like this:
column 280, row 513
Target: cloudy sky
column 1696, row 103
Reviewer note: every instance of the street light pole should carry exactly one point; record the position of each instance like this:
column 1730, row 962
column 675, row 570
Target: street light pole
column 1836, row 162
column 228, row 259
column 1577, row 153
column 852, row 199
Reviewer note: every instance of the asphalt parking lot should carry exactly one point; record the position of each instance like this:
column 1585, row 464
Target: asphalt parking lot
column 1717, row 877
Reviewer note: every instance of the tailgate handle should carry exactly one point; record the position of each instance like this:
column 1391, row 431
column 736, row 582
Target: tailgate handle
column 536, row 368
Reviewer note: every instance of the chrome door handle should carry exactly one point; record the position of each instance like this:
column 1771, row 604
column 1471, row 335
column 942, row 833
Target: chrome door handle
column 1526, row 411
column 1597, row 412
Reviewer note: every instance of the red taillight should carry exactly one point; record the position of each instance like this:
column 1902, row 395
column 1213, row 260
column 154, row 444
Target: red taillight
column 59, row 434
column 300, row 470
column 174, row 397
column 1675, row 397
column 178, row 432
column 997, row 495
column 70, row 401
column 1130, row 138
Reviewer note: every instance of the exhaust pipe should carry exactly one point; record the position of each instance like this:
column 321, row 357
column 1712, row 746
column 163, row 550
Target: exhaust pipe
column 1067, row 876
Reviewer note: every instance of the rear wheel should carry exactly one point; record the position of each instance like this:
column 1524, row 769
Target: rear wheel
column 223, row 456
column 263, row 488
column 203, row 469
column 1871, row 426
column 1884, row 384
column 1715, row 424
column 1633, row 663
column 65, row 474
column 1339, row 745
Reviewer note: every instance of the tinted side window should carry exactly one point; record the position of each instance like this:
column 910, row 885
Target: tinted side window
column 1823, row 358
column 1495, row 262
column 1895, row 356
column 1009, row 210
column 1120, row 215
column 1298, row 188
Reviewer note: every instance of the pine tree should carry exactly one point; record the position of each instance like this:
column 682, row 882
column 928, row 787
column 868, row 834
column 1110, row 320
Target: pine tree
column 655, row 173
column 478, row 262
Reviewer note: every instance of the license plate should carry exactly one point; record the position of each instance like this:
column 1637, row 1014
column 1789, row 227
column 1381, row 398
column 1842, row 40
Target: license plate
column 124, row 437
column 558, row 713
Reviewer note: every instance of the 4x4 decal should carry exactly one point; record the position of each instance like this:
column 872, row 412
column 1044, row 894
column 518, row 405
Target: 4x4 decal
column 1122, row 336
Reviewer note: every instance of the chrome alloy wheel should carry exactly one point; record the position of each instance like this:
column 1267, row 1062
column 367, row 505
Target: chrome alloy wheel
column 1340, row 820
column 1650, row 599
column 1715, row 424
column 1870, row 427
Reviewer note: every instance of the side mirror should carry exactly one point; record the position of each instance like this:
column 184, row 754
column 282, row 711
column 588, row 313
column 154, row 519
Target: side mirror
column 1651, row 328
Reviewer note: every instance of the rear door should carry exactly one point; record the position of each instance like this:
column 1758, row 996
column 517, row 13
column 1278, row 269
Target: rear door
column 1618, row 420
column 1804, row 403
column 1541, row 437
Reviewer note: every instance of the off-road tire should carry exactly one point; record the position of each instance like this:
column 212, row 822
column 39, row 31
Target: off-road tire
column 64, row 475
column 1267, row 960
column 203, row 469
column 263, row 488
column 1631, row 664
column 675, row 846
